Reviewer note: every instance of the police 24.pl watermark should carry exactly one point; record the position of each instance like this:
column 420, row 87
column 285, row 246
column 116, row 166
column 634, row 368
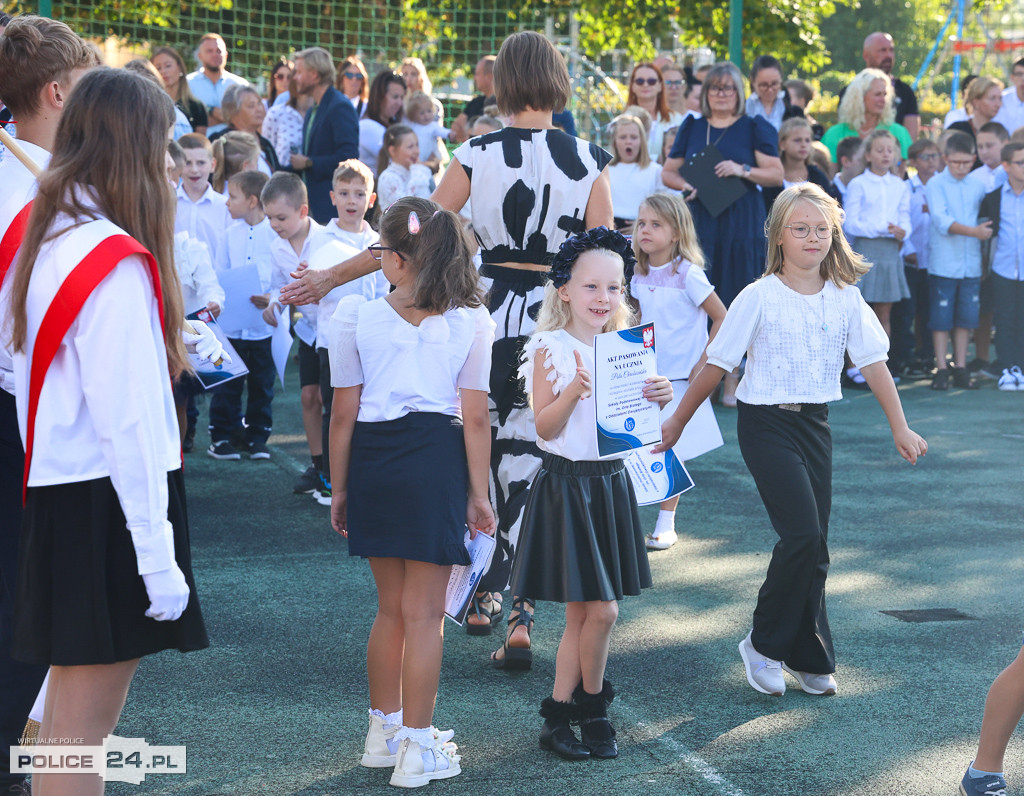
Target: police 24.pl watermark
column 118, row 760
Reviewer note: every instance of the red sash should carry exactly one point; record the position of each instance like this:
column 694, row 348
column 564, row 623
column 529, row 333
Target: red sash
column 63, row 310
column 11, row 241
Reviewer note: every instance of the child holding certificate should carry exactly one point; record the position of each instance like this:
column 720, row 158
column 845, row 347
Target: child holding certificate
column 410, row 372
column 670, row 286
column 581, row 541
column 794, row 324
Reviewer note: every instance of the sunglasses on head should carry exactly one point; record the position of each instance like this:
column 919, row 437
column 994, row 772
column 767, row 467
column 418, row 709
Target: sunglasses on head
column 646, row 81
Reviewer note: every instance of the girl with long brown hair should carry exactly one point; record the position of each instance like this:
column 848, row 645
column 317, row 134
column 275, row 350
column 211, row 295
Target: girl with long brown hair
column 105, row 545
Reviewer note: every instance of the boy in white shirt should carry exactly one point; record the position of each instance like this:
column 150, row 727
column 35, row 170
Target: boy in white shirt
column 202, row 212
column 849, row 156
column 246, row 242
column 352, row 196
column 287, row 207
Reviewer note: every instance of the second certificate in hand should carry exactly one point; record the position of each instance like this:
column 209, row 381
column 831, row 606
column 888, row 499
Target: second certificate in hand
column 624, row 361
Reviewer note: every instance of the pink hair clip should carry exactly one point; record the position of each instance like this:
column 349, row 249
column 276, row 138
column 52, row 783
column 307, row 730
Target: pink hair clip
column 414, row 223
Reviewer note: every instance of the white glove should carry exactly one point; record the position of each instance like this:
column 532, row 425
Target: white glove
column 205, row 342
column 168, row 594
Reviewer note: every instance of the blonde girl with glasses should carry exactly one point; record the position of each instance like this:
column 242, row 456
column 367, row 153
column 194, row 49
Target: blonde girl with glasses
column 794, row 325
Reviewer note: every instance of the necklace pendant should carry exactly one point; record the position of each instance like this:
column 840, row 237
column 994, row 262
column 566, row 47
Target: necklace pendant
column 824, row 327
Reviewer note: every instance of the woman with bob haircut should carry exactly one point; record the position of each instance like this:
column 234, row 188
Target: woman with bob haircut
column 867, row 105
column 794, row 325
column 733, row 241
column 530, row 186
column 105, row 574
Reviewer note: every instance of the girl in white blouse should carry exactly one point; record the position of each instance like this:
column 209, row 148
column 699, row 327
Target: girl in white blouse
column 672, row 290
column 105, row 573
column 794, row 325
column 410, row 444
column 633, row 175
column 581, row 542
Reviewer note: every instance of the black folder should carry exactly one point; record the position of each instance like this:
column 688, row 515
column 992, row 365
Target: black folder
column 716, row 193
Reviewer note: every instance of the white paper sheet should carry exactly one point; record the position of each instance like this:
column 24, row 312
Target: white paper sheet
column 240, row 285
column 281, row 343
column 656, row 476
column 464, row 579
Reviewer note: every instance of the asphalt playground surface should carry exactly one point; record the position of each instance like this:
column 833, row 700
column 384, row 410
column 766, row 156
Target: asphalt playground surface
column 277, row 704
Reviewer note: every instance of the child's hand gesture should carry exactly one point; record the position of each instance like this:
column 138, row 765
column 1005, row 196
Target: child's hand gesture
column 910, row 444
column 984, row 230
column 270, row 314
column 339, row 512
column 659, row 389
column 582, row 383
column 671, row 430
column 897, row 232
column 480, row 517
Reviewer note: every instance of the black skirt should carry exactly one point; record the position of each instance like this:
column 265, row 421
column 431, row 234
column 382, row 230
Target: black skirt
column 581, row 538
column 407, row 486
column 80, row 599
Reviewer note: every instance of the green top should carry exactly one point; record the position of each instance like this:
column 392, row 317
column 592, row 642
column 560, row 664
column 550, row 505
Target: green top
column 838, row 132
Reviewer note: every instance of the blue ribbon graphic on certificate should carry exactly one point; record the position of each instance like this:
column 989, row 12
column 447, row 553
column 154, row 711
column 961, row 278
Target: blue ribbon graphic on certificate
column 624, row 361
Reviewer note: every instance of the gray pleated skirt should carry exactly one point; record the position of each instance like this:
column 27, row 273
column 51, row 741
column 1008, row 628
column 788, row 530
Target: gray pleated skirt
column 886, row 281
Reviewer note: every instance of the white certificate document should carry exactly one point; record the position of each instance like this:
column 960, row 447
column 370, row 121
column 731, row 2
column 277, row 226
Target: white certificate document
column 656, row 476
column 240, row 285
column 464, row 579
column 623, row 362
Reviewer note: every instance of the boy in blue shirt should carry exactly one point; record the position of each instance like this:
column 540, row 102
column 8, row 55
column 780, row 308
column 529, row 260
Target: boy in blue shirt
column 954, row 259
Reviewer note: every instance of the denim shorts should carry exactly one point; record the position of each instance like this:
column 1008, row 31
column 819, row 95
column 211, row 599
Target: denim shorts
column 952, row 303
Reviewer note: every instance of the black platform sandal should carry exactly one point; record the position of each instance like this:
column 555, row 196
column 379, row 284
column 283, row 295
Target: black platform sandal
column 596, row 732
column 485, row 606
column 516, row 657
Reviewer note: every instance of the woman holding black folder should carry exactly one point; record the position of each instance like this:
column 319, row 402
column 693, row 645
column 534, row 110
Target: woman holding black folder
column 746, row 149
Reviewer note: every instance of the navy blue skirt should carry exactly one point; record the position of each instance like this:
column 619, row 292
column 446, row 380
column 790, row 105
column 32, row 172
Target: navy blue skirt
column 581, row 538
column 407, row 484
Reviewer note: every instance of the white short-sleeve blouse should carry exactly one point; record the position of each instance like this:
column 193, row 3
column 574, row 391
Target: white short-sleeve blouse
column 794, row 343
column 404, row 368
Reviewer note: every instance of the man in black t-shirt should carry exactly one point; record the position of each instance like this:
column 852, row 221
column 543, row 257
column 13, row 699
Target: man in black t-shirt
column 880, row 53
column 483, row 77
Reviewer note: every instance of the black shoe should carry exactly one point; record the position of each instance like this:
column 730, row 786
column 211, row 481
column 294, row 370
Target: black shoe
column 940, row 381
column 307, row 482
column 977, row 364
column 963, row 380
column 556, row 735
column 223, row 450
column 258, row 449
column 189, row 443
column 596, row 731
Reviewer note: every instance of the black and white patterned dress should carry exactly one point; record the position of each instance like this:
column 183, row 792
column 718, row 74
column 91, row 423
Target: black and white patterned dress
column 529, row 191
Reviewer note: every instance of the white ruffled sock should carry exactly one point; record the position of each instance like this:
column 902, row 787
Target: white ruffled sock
column 666, row 522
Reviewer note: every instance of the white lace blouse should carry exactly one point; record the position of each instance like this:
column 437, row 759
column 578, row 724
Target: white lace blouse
column 794, row 343
column 578, row 438
column 405, row 368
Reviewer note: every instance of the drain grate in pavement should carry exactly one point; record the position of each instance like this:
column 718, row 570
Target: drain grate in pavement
column 930, row 615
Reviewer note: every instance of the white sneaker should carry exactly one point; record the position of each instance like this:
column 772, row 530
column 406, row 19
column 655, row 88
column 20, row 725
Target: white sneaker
column 763, row 674
column 1015, row 371
column 422, row 758
column 1007, row 382
column 823, row 684
column 661, row 541
column 380, row 748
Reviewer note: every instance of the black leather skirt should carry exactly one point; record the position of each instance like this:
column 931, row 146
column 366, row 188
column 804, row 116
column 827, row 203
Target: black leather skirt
column 581, row 538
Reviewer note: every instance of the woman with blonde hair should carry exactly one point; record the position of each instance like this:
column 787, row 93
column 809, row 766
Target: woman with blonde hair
column 868, row 104
column 985, row 99
column 795, row 325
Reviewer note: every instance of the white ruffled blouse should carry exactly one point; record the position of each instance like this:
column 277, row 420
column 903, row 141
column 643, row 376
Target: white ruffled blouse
column 405, row 368
column 578, row 438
